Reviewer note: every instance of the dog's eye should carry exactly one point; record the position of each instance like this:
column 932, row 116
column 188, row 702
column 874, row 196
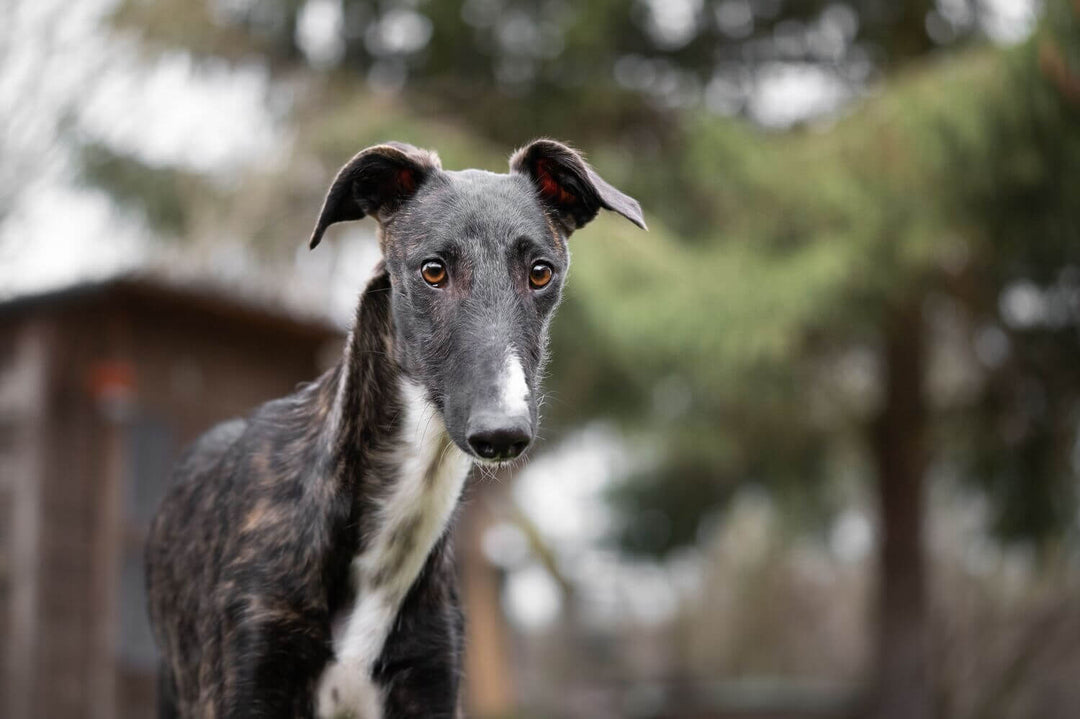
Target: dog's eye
column 540, row 275
column 434, row 273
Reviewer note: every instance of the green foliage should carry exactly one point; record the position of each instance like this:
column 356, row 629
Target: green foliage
column 1024, row 169
column 815, row 235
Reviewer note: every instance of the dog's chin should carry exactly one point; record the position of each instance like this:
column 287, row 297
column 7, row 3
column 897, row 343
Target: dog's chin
column 493, row 463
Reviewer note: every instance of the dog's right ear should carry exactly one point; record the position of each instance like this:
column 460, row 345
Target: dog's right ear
column 375, row 182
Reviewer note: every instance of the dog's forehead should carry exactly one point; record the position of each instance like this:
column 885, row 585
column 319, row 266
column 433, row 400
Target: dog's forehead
column 491, row 185
column 481, row 206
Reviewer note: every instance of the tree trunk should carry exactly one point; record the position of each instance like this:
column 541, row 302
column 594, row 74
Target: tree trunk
column 903, row 681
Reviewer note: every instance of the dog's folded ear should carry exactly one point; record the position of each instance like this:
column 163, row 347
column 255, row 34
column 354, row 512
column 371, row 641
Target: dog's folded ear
column 571, row 190
column 375, row 182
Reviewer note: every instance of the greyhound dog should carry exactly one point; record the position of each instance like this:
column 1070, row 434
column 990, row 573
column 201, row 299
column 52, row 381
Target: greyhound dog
column 300, row 564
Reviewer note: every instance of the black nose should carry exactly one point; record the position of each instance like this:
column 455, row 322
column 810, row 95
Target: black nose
column 499, row 438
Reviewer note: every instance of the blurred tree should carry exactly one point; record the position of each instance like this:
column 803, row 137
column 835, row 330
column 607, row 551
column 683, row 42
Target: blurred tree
column 1022, row 288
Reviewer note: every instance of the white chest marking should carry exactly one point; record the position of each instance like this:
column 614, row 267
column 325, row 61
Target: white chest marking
column 513, row 387
column 410, row 520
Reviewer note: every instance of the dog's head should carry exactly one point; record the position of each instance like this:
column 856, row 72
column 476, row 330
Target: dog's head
column 477, row 262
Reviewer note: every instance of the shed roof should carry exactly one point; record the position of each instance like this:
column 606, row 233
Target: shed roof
column 199, row 296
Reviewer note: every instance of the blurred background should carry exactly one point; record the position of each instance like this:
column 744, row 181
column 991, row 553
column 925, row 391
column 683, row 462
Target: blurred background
column 812, row 444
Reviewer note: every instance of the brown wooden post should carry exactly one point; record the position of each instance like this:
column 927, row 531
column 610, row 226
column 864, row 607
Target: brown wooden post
column 113, row 388
column 488, row 671
column 26, row 399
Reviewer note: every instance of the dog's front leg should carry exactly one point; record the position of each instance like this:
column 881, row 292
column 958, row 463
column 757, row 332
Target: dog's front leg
column 272, row 669
column 420, row 667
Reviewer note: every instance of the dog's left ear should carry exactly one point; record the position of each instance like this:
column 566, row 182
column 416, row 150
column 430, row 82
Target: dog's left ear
column 375, row 182
column 568, row 187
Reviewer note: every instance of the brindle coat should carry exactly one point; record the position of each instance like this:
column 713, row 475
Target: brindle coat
column 249, row 560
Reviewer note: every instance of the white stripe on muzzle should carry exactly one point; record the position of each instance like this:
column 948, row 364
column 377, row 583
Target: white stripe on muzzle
column 513, row 387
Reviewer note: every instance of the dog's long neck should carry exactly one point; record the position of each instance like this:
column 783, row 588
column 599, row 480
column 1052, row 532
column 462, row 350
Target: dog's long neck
column 365, row 404
column 397, row 474
column 356, row 409
column 383, row 440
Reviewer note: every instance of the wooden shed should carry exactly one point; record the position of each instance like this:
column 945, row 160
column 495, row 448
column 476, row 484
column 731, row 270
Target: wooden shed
column 100, row 386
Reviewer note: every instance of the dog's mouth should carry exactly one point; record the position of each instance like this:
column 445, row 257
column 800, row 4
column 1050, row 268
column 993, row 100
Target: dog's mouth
column 494, row 463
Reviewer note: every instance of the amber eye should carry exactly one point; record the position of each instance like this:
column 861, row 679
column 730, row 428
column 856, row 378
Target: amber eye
column 434, row 273
column 540, row 275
